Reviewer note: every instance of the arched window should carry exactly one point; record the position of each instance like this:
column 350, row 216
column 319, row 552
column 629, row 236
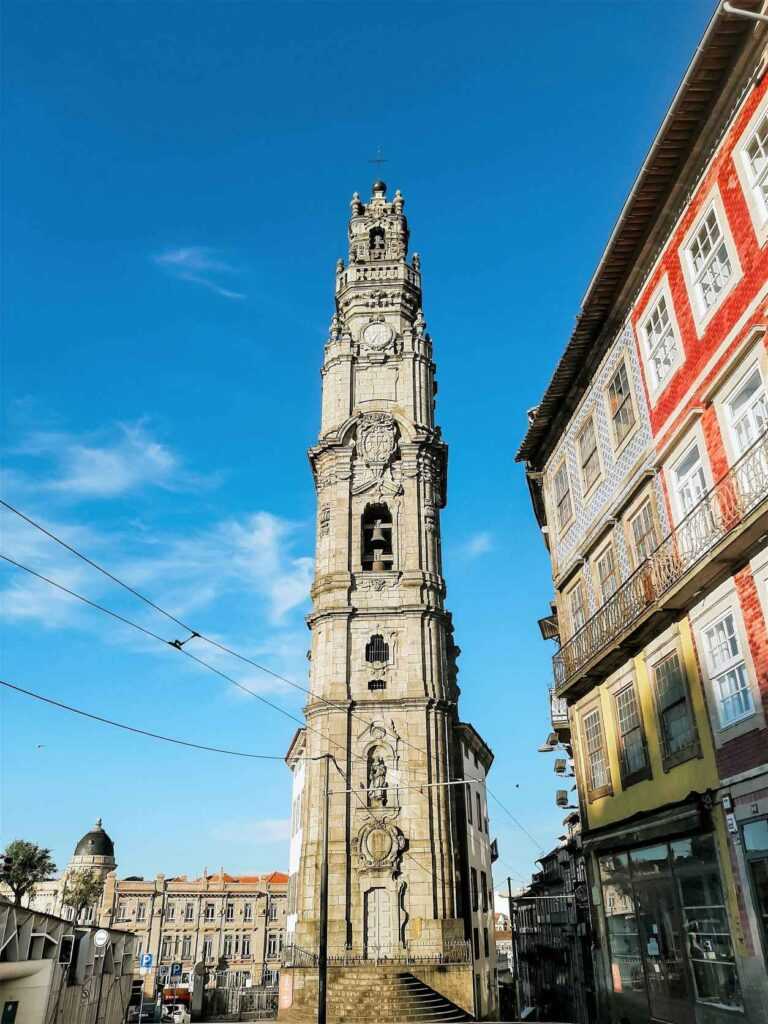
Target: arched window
column 377, row 538
column 376, row 242
column 376, row 649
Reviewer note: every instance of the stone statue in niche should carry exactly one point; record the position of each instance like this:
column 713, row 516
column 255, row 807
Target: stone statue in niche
column 377, row 782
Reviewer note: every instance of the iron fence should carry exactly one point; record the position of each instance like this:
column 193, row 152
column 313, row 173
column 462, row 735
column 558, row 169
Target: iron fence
column 719, row 512
column 456, row 952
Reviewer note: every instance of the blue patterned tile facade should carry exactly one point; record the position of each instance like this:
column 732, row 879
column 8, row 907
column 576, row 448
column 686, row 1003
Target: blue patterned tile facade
column 635, row 456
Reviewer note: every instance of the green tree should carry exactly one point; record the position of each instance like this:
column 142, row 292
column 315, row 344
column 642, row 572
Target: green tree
column 22, row 865
column 82, row 888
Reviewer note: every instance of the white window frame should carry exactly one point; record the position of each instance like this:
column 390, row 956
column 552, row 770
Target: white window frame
column 698, row 476
column 702, row 314
column 754, row 367
column 706, row 614
column 662, row 293
column 733, row 663
column 757, row 205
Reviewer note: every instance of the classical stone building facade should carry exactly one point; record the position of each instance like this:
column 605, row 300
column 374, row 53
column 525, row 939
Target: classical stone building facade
column 384, row 696
column 232, row 927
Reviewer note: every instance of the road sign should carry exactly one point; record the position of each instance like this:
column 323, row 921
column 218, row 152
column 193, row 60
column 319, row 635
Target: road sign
column 101, row 938
column 146, row 960
column 175, row 970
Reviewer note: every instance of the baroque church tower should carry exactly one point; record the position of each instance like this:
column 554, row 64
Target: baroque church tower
column 384, row 696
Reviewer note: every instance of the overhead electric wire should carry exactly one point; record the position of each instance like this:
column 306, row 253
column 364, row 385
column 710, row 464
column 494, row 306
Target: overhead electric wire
column 215, row 643
column 135, row 729
column 168, row 643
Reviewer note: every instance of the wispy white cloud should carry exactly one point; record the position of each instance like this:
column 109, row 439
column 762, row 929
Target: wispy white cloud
column 127, row 460
column 478, row 544
column 197, row 264
column 253, row 831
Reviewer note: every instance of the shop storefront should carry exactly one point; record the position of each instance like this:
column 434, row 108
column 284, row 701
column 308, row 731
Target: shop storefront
column 667, row 932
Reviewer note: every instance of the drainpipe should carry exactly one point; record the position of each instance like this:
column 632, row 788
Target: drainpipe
column 730, row 9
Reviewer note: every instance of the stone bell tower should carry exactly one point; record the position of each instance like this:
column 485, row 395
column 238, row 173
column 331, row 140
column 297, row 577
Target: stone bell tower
column 383, row 661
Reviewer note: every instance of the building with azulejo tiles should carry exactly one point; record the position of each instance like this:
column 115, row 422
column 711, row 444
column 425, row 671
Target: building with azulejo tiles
column 647, row 461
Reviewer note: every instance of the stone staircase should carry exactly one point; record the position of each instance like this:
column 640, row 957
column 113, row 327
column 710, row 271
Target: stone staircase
column 384, row 995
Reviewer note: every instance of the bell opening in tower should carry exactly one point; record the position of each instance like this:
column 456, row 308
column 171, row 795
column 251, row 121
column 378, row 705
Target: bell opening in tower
column 377, row 539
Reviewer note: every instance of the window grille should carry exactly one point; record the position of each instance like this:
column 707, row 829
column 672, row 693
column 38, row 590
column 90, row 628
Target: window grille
column 376, row 649
column 377, row 684
column 661, row 343
column 709, row 260
column 620, row 403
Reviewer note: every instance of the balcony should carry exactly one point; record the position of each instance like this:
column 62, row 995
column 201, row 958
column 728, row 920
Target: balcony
column 699, row 552
column 558, row 711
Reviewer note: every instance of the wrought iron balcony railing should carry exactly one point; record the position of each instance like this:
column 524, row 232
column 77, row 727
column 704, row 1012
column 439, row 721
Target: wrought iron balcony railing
column 559, row 710
column 732, row 500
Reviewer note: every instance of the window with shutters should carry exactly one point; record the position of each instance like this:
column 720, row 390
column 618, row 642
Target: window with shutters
column 596, row 757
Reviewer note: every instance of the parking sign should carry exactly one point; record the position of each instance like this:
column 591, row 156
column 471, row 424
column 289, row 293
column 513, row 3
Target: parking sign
column 146, row 961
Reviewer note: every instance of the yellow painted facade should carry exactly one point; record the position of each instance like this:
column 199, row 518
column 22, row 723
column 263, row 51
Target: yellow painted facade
column 695, row 775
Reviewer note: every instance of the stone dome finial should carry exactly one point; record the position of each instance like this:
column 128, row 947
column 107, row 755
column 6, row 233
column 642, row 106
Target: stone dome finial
column 380, row 188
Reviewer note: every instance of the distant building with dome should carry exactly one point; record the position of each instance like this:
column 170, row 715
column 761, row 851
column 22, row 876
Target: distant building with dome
column 94, row 852
column 233, row 926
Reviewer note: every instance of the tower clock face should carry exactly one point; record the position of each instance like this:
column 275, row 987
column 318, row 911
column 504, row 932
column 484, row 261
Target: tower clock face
column 377, row 336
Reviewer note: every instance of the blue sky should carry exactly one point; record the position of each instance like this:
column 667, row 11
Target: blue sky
column 176, row 188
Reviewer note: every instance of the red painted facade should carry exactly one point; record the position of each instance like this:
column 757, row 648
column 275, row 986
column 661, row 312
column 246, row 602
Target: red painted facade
column 707, row 352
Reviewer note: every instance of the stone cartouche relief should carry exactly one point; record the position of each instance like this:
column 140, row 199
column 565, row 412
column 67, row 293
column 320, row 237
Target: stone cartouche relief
column 374, row 468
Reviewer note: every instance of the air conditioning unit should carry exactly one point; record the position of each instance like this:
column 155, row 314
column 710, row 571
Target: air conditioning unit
column 561, row 798
column 561, row 766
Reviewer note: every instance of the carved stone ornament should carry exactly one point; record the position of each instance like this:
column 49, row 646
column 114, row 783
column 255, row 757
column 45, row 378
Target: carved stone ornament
column 376, row 337
column 380, row 847
column 369, row 581
column 375, row 444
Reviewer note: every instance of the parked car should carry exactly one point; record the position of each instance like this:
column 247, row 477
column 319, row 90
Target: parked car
column 141, row 1015
column 175, row 1013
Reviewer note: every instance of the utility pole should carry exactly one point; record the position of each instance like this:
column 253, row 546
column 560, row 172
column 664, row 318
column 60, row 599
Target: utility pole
column 322, row 964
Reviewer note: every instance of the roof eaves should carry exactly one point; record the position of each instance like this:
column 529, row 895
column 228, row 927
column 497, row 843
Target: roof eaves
column 655, row 182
